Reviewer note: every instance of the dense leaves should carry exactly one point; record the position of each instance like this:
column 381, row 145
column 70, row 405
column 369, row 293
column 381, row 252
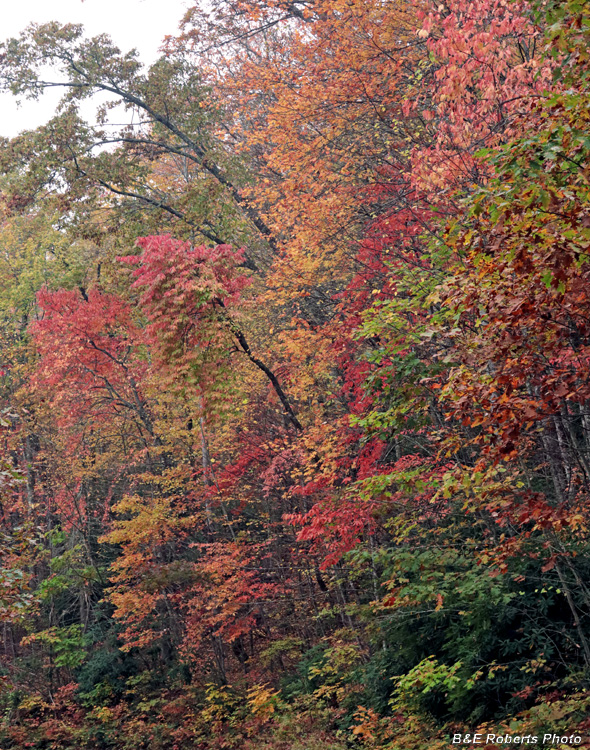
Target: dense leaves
column 294, row 396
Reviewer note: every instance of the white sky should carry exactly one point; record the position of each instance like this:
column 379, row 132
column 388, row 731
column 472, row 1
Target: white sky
column 142, row 24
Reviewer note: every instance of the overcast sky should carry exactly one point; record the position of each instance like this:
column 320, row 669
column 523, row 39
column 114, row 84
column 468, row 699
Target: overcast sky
column 131, row 23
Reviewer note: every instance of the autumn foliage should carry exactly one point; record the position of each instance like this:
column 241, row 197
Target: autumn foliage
column 294, row 391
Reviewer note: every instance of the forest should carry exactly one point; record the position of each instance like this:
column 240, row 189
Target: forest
column 295, row 381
